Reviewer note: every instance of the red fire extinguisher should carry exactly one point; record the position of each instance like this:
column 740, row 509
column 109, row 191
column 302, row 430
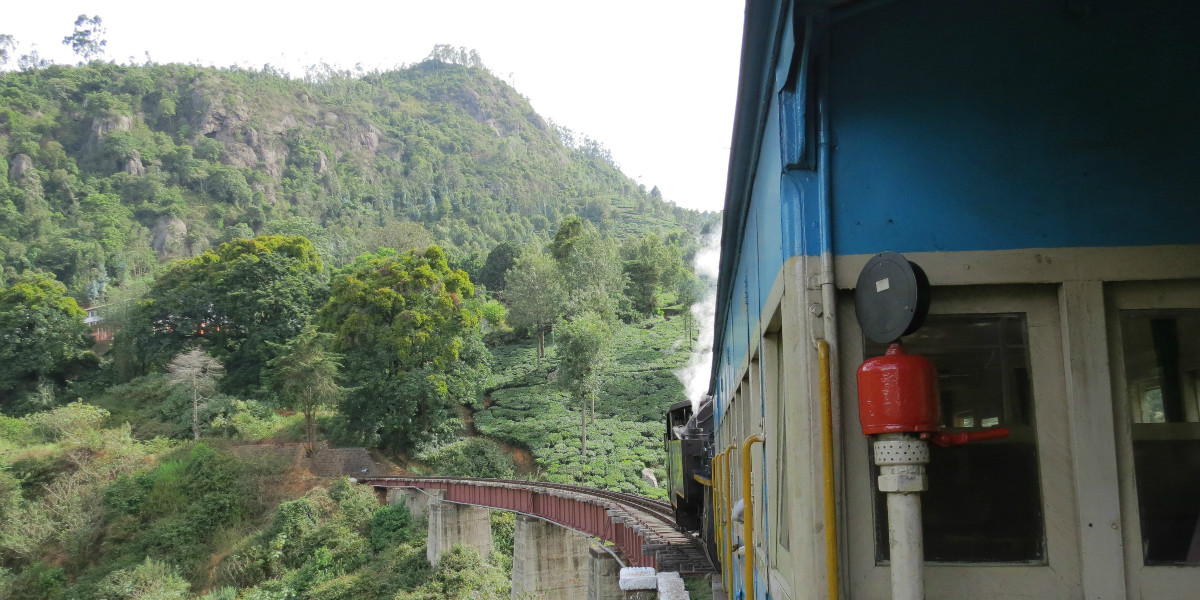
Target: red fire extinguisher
column 898, row 408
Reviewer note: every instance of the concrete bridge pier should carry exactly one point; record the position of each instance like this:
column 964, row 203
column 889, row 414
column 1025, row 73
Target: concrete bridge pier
column 451, row 523
column 415, row 500
column 549, row 561
column 604, row 575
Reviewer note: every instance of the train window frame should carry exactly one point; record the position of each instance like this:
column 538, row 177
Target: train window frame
column 983, row 377
column 777, row 447
column 1165, row 581
column 1060, row 574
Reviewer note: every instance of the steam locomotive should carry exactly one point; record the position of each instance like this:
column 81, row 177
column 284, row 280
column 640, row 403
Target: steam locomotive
column 688, row 437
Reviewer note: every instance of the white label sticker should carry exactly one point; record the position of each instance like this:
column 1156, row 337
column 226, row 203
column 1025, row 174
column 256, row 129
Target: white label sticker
column 882, row 285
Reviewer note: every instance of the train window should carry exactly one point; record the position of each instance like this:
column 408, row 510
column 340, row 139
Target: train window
column 984, row 502
column 778, row 416
column 1161, row 353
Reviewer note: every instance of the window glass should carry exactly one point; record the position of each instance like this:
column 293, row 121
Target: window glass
column 984, row 501
column 775, row 385
column 1161, row 351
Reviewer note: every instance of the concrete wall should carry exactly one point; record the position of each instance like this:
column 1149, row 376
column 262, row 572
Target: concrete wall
column 549, row 561
column 604, row 575
column 451, row 524
column 416, row 501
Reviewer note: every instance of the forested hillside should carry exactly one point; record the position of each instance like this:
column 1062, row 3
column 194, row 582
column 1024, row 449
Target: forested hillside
column 412, row 262
column 111, row 169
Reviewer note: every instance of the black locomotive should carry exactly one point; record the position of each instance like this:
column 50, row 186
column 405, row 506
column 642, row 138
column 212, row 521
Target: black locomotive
column 688, row 440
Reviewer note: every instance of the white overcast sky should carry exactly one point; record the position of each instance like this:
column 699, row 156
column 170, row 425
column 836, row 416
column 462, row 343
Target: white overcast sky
column 653, row 80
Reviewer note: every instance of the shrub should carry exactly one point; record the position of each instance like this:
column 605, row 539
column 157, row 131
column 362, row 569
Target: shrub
column 67, row 422
column 472, row 457
column 348, row 550
column 355, row 503
column 251, row 420
column 38, row 581
column 126, row 495
column 212, row 481
column 150, row 580
column 17, row 431
column 292, row 522
column 392, row 526
column 462, row 573
column 321, row 566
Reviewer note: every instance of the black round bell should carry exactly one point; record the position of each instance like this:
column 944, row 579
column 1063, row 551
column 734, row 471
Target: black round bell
column 891, row 298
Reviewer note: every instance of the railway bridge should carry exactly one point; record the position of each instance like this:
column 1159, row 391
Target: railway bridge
column 554, row 551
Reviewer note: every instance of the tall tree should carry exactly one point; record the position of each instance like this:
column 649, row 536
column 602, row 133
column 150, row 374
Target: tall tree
column 305, row 375
column 7, row 46
column 593, row 277
column 569, row 232
column 648, row 264
column 87, row 40
column 411, row 345
column 583, row 346
column 534, row 294
column 688, row 291
column 234, row 302
column 197, row 372
column 43, row 342
column 499, row 261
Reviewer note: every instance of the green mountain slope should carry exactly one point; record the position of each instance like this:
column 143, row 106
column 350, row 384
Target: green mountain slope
column 110, row 170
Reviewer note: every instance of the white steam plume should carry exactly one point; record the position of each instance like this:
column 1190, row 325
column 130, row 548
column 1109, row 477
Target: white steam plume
column 695, row 375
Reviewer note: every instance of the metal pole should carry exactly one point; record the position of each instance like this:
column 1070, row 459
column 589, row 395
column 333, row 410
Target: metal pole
column 748, row 513
column 902, row 459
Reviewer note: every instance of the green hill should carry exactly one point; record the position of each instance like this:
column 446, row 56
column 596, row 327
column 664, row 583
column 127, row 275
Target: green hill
column 273, row 189
column 110, row 170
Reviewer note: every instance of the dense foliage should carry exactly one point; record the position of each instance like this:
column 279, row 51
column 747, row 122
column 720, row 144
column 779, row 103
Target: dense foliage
column 470, row 457
column 43, row 343
column 410, row 335
column 264, row 244
column 240, row 302
column 106, row 169
column 91, row 513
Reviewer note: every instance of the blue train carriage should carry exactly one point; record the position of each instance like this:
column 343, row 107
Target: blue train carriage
column 1041, row 161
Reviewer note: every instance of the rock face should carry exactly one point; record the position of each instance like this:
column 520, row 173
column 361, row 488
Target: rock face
column 368, row 138
column 226, row 118
column 102, row 126
column 133, row 164
column 21, row 168
column 168, row 238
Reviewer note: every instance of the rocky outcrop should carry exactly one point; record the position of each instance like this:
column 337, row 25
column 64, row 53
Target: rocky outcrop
column 648, row 477
column 133, row 164
column 21, row 169
column 224, row 118
column 256, row 144
column 102, row 126
column 169, row 238
column 368, row 138
column 217, row 114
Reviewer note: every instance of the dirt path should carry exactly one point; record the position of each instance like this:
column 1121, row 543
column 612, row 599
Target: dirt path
column 468, row 418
